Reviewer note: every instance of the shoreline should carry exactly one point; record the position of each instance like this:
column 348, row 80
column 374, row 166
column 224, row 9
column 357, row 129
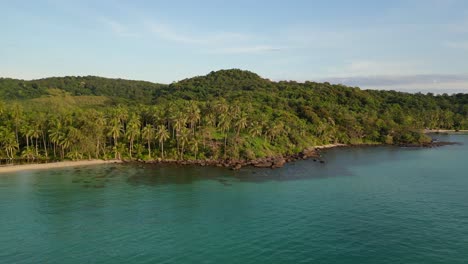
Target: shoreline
column 53, row 165
column 445, row 131
column 272, row 162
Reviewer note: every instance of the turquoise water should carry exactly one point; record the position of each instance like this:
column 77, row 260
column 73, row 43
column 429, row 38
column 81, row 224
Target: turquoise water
column 365, row 205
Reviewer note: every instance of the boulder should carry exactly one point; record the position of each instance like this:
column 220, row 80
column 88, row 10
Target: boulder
column 278, row 163
column 237, row 167
column 263, row 164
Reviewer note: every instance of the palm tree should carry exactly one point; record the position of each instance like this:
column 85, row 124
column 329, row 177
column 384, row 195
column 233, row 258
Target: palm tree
column 133, row 131
column 194, row 147
column 241, row 123
column 24, row 130
column 255, row 129
column 99, row 124
column 194, row 115
column 35, row 133
column 225, row 125
column 162, row 135
column 56, row 135
column 183, row 138
column 17, row 113
column 148, row 134
column 8, row 143
column 72, row 137
column 115, row 130
column 28, row 153
column 275, row 130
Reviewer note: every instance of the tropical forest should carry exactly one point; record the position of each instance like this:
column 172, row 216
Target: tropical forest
column 227, row 114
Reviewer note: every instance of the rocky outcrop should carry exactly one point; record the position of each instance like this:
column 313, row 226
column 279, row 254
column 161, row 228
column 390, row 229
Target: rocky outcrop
column 274, row 162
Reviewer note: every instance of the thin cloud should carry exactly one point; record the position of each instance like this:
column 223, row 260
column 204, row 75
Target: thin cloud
column 167, row 33
column 118, row 28
column 170, row 33
column 375, row 68
column 214, row 43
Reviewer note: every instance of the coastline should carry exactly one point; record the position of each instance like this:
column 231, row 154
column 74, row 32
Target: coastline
column 445, row 131
column 272, row 162
column 53, row 165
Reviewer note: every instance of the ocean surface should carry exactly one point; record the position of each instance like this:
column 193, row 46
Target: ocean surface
column 364, row 205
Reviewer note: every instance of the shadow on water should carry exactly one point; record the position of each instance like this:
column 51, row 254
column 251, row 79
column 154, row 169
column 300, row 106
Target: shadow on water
column 154, row 175
column 95, row 177
column 157, row 175
column 338, row 163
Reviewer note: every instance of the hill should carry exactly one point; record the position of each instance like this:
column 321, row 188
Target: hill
column 227, row 114
column 125, row 90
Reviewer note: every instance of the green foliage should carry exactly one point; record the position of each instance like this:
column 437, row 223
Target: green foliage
column 229, row 114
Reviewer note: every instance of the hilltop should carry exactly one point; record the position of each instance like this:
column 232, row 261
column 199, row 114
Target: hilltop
column 224, row 115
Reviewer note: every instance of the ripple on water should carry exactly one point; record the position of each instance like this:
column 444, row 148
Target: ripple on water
column 371, row 205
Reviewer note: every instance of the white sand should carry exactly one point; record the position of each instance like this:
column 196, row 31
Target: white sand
column 54, row 165
column 329, row 146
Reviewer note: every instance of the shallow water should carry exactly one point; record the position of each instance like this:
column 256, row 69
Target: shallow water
column 365, row 205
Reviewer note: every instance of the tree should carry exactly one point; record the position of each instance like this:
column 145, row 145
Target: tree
column 255, row 129
column 225, row 124
column 162, row 135
column 241, row 123
column 56, row 134
column 8, row 143
column 148, row 134
column 194, row 147
column 133, row 131
column 115, row 130
column 184, row 139
column 17, row 114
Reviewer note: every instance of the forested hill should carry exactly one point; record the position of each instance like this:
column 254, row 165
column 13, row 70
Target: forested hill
column 228, row 114
column 137, row 91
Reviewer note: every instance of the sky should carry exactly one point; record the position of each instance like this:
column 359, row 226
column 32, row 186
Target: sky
column 413, row 45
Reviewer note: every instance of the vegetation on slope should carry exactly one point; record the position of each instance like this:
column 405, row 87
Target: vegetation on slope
column 229, row 114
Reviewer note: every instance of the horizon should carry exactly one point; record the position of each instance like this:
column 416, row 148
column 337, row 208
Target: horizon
column 404, row 45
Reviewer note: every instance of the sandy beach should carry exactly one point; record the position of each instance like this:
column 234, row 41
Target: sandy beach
column 54, row 165
column 329, row 146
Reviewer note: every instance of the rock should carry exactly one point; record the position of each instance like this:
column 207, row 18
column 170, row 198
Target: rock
column 237, row 167
column 263, row 164
column 278, row 163
column 310, row 153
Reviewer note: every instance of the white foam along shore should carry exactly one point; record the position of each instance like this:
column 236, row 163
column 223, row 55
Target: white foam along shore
column 53, row 165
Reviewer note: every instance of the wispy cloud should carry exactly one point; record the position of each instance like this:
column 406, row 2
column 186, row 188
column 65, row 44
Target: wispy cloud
column 215, row 43
column 167, row 33
column 117, row 28
column 375, row 68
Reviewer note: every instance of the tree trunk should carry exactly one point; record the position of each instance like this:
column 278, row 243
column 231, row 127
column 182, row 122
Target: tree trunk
column 225, row 145
column 162, row 149
column 45, row 146
column 149, row 149
column 37, row 149
column 97, row 148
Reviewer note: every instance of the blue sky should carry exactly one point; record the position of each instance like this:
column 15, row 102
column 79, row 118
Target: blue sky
column 417, row 44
